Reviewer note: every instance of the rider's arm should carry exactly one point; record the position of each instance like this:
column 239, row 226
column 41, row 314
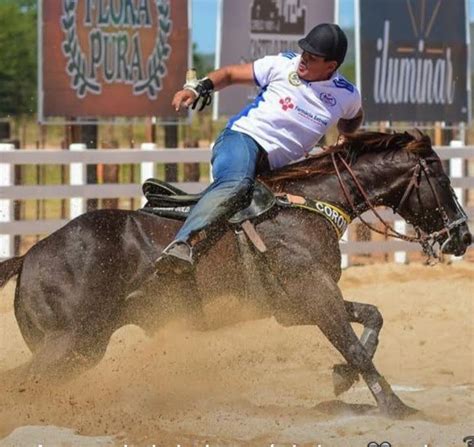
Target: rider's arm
column 348, row 126
column 221, row 78
column 232, row 74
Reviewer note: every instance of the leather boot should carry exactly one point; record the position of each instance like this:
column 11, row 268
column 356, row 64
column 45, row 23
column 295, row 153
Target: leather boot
column 176, row 258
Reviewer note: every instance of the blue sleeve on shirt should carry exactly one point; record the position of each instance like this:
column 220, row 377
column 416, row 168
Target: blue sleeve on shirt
column 343, row 83
column 288, row 54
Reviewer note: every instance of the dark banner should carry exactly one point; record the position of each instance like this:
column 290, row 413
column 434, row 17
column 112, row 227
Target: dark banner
column 251, row 29
column 413, row 60
column 112, row 58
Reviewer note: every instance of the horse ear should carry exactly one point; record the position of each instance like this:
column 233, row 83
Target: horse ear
column 416, row 134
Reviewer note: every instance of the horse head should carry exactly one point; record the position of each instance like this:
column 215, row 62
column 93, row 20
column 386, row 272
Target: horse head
column 415, row 186
column 429, row 202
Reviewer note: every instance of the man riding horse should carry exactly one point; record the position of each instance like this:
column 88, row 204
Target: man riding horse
column 300, row 97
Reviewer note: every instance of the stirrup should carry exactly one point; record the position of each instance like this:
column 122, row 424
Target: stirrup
column 174, row 260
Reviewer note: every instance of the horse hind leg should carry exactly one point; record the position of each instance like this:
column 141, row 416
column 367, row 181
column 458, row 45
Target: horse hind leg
column 345, row 375
column 56, row 356
column 63, row 356
column 31, row 334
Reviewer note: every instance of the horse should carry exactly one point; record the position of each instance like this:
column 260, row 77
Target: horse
column 95, row 274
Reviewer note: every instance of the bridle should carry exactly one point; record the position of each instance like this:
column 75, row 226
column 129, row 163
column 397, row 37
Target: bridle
column 427, row 241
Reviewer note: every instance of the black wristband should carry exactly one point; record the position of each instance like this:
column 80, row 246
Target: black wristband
column 204, row 89
column 205, row 86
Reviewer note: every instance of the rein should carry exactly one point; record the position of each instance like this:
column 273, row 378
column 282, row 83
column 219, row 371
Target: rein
column 427, row 241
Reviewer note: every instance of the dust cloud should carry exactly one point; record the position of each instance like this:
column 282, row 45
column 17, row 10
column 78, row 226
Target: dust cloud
column 256, row 382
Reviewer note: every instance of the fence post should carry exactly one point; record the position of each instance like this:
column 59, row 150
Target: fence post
column 456, row 170
column 400, row 257
column 77, row 176
column 211, row 177
column 7, row 249
column 147, row 168
column 345, row 262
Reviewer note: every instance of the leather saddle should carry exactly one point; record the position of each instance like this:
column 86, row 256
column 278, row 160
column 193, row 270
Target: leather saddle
column 165, row 200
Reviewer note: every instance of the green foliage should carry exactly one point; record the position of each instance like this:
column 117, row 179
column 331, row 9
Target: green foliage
column 348, row 71
column 22, row 4
column 202, row 63
column 18, row 46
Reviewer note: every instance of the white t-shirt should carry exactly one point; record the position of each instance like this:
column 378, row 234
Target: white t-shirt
column 289, row 115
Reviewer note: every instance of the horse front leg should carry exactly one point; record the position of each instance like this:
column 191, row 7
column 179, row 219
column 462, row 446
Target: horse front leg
column 326, row 309
column 345, row 375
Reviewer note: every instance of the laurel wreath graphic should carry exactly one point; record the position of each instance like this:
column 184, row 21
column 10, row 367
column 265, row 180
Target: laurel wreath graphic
column 77, row 66
column 156, row 67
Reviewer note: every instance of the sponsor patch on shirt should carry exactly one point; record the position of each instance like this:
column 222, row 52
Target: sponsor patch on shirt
column 312, row 116
column 287, row 103
column 294, row 79
column 328, row 99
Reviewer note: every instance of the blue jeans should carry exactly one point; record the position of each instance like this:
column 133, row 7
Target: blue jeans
column 234, row 164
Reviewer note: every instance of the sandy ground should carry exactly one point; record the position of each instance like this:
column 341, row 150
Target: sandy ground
column 257, row 383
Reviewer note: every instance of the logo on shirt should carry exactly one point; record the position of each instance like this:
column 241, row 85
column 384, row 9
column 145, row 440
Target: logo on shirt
column 328, row 99
column 294, row 79
column 312, row 116
column 287, row 103
column 342, row 83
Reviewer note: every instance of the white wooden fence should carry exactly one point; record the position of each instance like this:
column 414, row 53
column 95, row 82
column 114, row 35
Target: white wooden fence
column 78, row 191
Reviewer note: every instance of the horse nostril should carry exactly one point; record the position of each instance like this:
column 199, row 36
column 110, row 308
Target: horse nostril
column 467, row 239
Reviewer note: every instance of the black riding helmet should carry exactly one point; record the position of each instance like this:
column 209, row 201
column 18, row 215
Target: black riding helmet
column 326, row 40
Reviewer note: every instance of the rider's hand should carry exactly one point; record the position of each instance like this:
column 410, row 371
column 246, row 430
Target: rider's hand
column 183, row 98
column 341, row 139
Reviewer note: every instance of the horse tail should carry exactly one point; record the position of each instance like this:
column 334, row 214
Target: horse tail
column 10, row 268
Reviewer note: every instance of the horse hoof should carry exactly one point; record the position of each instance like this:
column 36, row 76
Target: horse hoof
column 343, row 377
column 398, row 410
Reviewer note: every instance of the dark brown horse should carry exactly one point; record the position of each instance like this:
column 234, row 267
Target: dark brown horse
column 79, row 285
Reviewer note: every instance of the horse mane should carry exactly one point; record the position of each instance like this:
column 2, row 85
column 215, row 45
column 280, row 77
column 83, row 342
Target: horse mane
column 353, row 146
